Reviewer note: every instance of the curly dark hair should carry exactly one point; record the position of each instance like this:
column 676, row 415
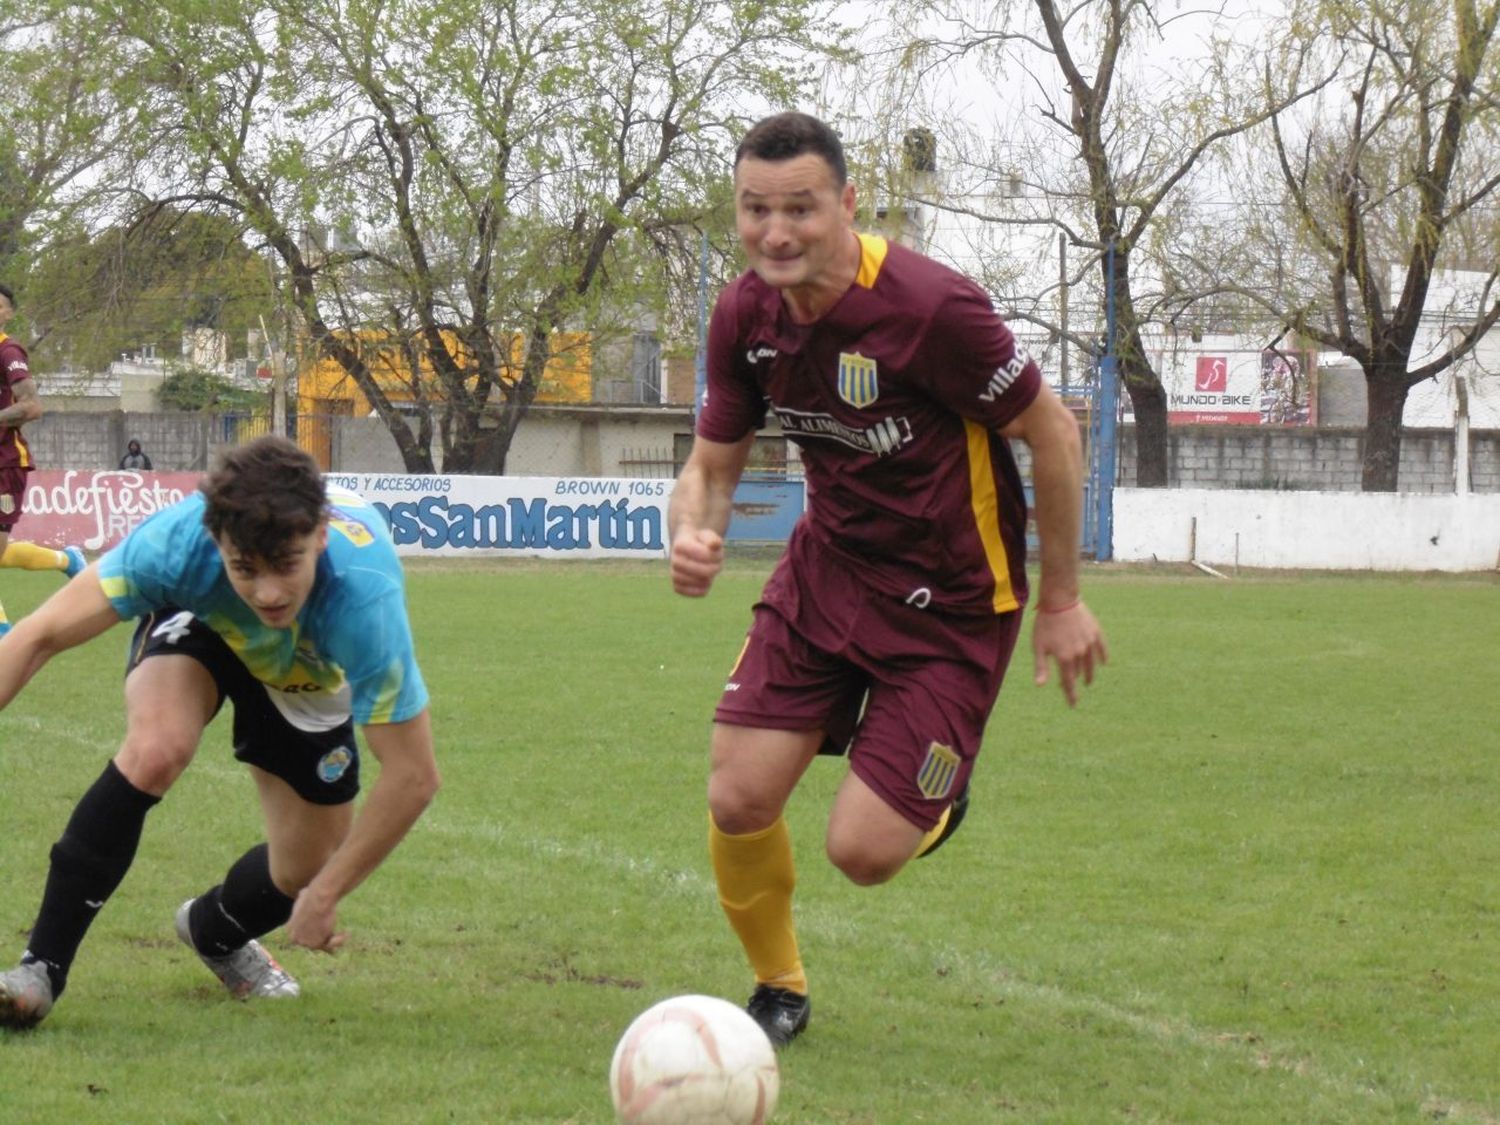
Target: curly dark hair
column 783, row 136
column 262, row 496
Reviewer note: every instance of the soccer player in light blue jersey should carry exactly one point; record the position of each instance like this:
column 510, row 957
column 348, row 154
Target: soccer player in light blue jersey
column 265, row 590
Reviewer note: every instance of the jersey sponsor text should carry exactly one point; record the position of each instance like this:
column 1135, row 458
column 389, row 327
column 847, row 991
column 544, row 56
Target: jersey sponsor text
column 880, row 439
column 1001, row 380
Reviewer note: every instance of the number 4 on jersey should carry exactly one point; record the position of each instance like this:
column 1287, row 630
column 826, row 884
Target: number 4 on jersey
column 175, row 627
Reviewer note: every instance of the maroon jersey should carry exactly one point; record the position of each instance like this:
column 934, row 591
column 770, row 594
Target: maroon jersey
column 895, row 397
column 13, row 368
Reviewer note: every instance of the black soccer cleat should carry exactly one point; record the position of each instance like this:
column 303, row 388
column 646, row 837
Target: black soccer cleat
column 781, row 1013
column 956, row 813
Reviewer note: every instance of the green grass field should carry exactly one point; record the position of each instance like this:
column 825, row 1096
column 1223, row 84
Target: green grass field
column 1254, row 877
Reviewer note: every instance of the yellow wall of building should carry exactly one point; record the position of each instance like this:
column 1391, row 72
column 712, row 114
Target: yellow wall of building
column 324, row 387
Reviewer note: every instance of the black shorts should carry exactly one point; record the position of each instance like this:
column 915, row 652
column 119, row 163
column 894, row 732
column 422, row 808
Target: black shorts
column 322, row 766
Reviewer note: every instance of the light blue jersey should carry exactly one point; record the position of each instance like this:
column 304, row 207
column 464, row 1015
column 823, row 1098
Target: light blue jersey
column 350, row 649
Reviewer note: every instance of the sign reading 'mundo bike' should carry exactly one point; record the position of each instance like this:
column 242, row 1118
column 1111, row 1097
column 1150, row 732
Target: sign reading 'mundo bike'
column 561, row 517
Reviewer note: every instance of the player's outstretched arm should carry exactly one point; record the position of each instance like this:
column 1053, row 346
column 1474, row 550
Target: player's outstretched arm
column 407, row 783
column 1063, row 630
column 76, row 613
column 698, row 514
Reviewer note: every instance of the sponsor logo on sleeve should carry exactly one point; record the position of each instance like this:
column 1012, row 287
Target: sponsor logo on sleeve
column 1001, row 380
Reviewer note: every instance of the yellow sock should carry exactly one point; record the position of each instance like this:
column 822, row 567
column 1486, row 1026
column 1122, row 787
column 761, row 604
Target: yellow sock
column 756, row 879
column 28, row 556
column 933, row 833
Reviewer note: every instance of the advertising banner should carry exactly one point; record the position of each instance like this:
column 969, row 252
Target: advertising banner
column 561, row 517
column 1238, row 387
column 95, row 509
column 566, row 517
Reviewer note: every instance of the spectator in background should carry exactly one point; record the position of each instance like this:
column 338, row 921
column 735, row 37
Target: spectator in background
column 134, row 457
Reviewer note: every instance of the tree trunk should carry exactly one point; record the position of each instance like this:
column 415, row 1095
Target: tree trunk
column 1150, row 404
column 466, row 442
column 1385, row 394
column 493, row 446
column 418, row 459
column 1148, row 398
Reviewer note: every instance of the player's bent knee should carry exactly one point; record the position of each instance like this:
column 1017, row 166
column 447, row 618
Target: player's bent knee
column 290, row 881
column 736, row 810
column 862, row 867
column 153, row 765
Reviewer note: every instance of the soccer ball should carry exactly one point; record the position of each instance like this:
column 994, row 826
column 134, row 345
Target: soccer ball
column 694, row 1060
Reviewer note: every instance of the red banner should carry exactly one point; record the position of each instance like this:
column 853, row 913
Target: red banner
column 95, row 508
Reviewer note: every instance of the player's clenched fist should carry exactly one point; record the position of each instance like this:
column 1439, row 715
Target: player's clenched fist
column 697, row 558
column 313, row 924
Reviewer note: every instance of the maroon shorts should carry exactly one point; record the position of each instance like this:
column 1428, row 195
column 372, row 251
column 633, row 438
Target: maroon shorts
column 908, row 690
column 12, row 496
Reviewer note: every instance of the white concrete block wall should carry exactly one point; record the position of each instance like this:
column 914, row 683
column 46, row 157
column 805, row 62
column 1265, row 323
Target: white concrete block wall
column 1304, row 459
column 1225, row 528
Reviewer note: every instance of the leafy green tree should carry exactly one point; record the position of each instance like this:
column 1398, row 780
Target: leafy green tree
column 194, row 389
column 455, row 176
column 66, row 135
column 146, row 283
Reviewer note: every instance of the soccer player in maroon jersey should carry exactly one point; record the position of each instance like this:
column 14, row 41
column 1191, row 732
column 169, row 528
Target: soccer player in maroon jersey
column 19, row 404
column 888, row 624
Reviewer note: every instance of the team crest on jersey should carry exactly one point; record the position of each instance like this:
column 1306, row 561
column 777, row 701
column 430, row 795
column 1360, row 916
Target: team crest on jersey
column 939, row 768
column 859, row 382
column 354, row 531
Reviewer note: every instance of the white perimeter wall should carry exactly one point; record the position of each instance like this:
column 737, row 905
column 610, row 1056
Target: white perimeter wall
column 1308, row 530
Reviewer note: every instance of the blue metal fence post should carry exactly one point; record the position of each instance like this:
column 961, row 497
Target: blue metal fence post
column 1109, row 408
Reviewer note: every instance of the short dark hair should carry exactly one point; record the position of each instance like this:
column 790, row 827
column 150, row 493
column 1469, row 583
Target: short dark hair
column 783, row 136
column 8, row 294
column 263, row 495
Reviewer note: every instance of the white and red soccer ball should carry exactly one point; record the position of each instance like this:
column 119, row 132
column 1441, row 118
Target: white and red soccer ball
column 694, row 1060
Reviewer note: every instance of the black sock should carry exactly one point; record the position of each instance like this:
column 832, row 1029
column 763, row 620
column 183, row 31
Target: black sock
column 245, row 906
column 88, row 862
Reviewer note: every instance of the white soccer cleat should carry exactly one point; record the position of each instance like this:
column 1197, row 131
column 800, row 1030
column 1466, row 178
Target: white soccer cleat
column 25, row 995
column 248, row 971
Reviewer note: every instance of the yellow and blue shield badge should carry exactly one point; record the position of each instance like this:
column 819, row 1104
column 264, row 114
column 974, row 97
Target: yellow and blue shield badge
column 354, row 531
column 859, row 383
column 939, row 768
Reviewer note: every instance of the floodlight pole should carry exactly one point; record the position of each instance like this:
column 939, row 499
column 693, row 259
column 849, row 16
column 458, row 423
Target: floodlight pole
column 700, row 362
column 1109, row 408
column 278, row 384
